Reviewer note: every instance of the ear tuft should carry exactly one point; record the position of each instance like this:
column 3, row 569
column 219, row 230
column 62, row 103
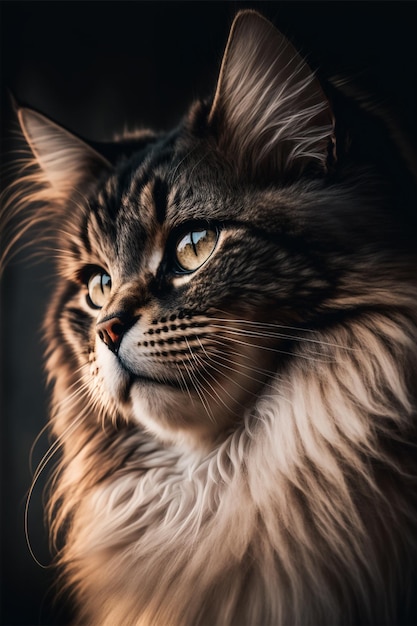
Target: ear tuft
column 66, row 161
column 270, row 111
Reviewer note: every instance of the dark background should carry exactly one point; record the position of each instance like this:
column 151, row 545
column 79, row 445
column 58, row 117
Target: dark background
column 101, row 67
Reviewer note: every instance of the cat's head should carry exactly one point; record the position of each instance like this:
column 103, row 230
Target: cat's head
column 192, row 268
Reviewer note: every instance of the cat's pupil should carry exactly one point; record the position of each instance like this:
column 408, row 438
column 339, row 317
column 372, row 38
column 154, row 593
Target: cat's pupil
column 99, row 287
column 194, row 248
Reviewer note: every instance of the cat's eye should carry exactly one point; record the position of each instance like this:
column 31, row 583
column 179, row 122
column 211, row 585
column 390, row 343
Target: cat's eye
column 194, row 248
column 99, row 287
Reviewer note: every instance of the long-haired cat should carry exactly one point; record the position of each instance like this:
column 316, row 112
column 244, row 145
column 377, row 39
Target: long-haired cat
column 232, row 345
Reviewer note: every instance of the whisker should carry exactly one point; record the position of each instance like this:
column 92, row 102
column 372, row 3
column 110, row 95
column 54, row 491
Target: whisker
column 208, row 373
column 35, row 443
column 50, row 453
column 43, row 463
column 273, row 325
column 185, row 382
column 240, row 355
column 51, row 450
column 270, row 349
column 258, row 323
column 197, row 164
column 181, row 162
column 227, row 377
column 277, row 334
column 232, row 369
column 196, row 386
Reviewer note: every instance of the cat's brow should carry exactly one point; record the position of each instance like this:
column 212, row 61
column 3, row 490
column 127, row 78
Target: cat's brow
column 160, row 196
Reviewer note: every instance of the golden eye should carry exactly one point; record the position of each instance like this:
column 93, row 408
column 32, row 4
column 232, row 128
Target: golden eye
column 194, row 248
column 99, row 288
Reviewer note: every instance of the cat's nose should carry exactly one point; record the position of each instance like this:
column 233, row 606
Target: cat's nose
column 111, row 331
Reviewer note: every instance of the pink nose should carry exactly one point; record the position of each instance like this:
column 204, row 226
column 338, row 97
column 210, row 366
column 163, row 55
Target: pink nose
column 111, row 332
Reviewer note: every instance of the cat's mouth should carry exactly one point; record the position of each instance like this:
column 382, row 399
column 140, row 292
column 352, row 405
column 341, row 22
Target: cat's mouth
column 141, row 382
column 134, row 379
column 148, row 380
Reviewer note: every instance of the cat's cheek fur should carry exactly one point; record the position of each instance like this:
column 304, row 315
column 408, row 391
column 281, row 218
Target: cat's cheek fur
column 167, row 413
column 115, row 378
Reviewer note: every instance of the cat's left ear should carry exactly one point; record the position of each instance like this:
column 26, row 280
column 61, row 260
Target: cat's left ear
column 66, row 162
column 270, row 113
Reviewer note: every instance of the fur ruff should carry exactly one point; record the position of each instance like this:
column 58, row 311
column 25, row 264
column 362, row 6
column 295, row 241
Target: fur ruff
column 298, row 518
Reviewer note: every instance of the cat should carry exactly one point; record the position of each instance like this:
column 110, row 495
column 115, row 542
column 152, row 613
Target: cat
column 232, row 348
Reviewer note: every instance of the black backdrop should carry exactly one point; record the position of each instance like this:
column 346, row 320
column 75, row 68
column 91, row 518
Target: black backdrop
column 97, row 68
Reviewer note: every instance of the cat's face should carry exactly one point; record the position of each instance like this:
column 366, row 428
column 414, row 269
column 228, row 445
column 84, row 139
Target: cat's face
column 178, row 285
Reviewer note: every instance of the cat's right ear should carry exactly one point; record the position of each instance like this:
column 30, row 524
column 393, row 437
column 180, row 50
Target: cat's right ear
column 66, row 162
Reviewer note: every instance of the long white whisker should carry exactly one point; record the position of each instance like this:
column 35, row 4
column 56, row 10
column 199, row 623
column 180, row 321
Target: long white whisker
column 232, row 369
column 196, row 385
column 233, row 330
column 251, row 368
column 270, row 349
column 185, row 382
column 35, row 443
column 218, row 340
column 208, row 373
column 225, row 376
column 51, row 450
column 283, row 327
column 181, row 162
column 43, row 463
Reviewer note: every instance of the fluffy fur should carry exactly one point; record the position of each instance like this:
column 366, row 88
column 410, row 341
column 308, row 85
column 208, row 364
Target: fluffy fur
column 246, row 455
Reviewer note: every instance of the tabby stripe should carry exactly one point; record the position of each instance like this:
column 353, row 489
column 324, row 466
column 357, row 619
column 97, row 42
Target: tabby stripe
column 84, row 234
column 78, row 319
column 160, row 195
